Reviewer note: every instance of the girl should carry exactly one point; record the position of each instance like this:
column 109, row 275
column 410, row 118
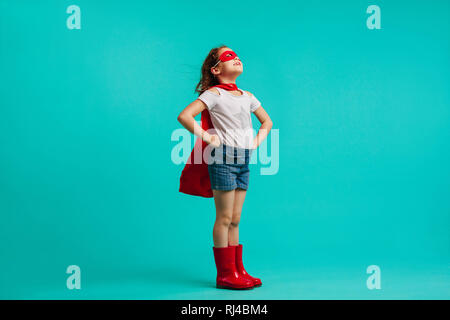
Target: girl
column 226, row 132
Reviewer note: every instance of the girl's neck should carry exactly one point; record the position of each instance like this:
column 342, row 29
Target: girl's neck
column 227, row 80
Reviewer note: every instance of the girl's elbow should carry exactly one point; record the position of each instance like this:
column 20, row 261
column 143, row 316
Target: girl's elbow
column 180, row 118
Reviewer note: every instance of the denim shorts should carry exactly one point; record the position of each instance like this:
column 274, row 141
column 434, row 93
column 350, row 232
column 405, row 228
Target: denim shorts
column 228, row 168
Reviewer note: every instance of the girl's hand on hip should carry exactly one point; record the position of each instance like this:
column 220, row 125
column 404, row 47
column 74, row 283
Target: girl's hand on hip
column 215, row 140
column 255, row 144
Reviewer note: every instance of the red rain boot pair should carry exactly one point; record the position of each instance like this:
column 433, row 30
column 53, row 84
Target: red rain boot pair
column 230, row 270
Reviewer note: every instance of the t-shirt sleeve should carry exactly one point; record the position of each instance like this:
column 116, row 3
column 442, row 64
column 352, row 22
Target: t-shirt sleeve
column 209, row 98
column 254, row 103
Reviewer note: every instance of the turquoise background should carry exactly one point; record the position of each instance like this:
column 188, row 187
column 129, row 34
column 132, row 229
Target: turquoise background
column 85, row 133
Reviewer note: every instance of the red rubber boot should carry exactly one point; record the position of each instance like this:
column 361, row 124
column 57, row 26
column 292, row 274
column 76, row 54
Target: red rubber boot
column 227, row 275
column 240, row 267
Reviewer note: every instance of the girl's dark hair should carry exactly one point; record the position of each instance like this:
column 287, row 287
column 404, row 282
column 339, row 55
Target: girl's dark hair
column 207, row 79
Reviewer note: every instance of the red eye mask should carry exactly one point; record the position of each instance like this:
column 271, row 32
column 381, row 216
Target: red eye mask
column 227, row 55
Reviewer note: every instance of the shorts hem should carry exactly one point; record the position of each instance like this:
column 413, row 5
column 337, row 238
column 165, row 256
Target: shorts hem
column 224, row 188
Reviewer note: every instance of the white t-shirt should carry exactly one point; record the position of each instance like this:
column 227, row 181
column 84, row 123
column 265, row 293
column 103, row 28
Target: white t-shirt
column 230, row 115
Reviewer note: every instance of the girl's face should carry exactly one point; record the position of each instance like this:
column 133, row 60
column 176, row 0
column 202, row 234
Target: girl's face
column 232, row 65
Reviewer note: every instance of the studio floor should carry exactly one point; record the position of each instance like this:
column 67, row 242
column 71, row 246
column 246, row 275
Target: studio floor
column 188, row 281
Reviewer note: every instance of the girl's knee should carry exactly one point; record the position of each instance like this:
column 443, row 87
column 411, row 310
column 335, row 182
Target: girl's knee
column 234, row 223
column 235, row 218
column 224, row 220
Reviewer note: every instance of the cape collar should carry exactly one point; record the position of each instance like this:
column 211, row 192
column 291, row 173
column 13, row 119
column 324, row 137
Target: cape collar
column 227, row 86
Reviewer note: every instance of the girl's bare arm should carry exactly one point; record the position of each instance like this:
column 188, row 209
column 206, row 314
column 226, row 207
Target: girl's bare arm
column 266, row 125
column 187, row 119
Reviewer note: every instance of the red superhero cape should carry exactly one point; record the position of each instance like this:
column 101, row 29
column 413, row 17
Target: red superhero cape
column 194, row 178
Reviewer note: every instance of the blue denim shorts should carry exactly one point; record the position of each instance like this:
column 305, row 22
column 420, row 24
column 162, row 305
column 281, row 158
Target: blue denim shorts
column 229, row 169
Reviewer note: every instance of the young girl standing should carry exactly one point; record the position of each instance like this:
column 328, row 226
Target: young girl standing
column 226, row 131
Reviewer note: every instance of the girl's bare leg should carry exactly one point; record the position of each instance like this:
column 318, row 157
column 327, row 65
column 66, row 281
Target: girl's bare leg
column 233, row 230
column 224, row 201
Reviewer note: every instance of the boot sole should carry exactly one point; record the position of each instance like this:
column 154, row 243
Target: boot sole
column 220, row 286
